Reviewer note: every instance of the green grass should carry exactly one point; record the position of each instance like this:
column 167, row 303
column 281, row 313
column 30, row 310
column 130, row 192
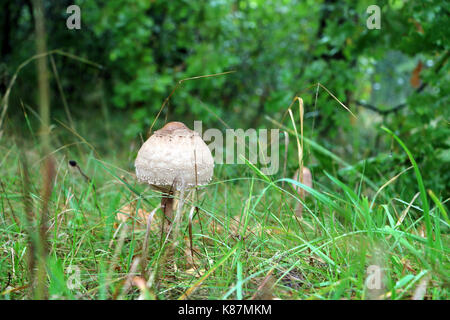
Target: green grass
column 247, row 241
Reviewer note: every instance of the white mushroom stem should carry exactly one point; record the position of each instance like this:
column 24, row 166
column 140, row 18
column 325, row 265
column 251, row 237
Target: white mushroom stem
column 170, row 202
column 167, row 202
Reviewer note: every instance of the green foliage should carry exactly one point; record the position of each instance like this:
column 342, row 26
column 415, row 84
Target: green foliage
column 278, row 49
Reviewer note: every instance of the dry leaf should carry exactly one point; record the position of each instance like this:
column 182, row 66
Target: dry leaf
column 265, row 287
column 306, row 179
column 421, row 290
column 418, row 26
column 318, row 262
column 195, row 272
column 421, row 230
column 128, row 212
column 415, row 76
column 407, row 265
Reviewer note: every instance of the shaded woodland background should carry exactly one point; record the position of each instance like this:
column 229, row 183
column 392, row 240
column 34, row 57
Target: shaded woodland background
column 397, row 76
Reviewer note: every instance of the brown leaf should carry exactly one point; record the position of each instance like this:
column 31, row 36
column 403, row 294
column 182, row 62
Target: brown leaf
column 128, row 212
column 140, row 283
column 265, row 287
column 195, row 272
column 421, row 290
column 422, row 231
column 418, row 26
column 415, row 76
column 306, row 179
column 407, row 265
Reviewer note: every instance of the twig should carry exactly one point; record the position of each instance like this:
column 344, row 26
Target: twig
column 74, row 164
column 9, row 203
column 387, row 111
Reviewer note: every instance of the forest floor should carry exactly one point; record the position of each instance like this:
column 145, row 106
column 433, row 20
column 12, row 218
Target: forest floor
column 238, row 237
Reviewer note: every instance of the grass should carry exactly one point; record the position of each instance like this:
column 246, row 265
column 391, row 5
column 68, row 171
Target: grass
column 246, row 240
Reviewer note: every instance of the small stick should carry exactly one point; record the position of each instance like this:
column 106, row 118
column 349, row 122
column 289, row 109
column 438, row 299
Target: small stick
column 74, row 164
column 13, row 214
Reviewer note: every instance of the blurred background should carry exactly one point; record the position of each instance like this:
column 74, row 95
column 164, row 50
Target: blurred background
column 111, row 77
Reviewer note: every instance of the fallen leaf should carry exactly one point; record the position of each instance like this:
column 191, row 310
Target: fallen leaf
column 195, row 272
column 418, row 26
column 128, row 212
column 415, row 76
column 305, row 179
column 407, row 265
column 421, row 290
column 265, row 287
column 421, row 230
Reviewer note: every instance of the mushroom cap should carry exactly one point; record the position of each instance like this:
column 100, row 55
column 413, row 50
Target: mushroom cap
column 174, row 157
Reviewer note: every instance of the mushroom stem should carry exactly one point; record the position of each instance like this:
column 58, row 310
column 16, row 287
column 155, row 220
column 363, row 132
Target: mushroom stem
column 167, row 207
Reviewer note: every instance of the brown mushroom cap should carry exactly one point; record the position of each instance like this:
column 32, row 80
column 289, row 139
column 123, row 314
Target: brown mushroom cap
column 173, row 157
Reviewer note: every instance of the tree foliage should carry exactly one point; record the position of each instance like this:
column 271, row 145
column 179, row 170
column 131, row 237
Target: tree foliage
column 277, row 48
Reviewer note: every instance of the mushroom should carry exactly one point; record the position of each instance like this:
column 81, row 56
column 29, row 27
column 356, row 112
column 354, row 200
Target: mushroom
column 305, row 179
column 174, row 158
